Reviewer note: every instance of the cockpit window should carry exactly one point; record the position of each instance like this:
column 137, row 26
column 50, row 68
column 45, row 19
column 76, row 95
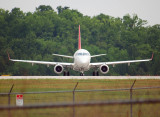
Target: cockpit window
column 82, row 54
column 79, row 53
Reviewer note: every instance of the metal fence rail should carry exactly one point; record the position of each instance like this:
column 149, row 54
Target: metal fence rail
column 70, row 91
column 80, row 104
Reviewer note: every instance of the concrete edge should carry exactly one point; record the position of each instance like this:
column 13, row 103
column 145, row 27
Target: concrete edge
column 79, row 77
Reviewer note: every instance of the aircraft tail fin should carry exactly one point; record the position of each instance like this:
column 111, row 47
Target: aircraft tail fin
column 8, row 56
column 79, row 41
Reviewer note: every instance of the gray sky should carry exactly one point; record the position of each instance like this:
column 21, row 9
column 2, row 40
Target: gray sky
column 145, row 9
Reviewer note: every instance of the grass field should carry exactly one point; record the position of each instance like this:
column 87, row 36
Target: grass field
column 143, row 110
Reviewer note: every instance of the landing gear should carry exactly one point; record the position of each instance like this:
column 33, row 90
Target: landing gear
column 95, row 73
column 81, row 74
column 66, row 73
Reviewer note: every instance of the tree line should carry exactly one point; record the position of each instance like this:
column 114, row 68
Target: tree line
column 35, row 36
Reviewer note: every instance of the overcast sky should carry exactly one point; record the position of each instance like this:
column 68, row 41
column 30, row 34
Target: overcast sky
column 145, row 9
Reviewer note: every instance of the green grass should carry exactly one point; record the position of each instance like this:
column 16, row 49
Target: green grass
column 143, row 110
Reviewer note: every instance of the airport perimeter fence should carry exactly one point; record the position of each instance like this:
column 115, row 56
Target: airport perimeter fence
column 130, row 102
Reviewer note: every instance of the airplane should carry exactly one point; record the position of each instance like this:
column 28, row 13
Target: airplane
column 81, row 62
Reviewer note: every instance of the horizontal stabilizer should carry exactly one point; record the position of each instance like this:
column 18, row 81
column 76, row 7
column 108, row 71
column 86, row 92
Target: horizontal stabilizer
column 63, row 55
column 98, row 55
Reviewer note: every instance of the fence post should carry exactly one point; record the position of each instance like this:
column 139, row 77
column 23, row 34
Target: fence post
column 9, row 100
column 131, row 98
column 74, row 99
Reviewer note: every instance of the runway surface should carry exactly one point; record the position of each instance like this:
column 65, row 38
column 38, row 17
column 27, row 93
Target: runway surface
column 79, row 77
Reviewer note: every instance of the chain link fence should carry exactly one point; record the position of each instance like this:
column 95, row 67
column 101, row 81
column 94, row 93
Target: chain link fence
column 120, row 102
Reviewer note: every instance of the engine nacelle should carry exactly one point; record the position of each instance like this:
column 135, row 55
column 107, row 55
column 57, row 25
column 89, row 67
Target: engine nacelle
column 104, row 69
column 58, row 69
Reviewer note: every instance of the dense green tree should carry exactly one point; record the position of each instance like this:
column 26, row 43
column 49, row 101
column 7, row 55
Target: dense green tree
column 35, row 36
column 43, row 8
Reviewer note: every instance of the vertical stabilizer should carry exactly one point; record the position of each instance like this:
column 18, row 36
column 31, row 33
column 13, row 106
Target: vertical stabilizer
column 79, row 41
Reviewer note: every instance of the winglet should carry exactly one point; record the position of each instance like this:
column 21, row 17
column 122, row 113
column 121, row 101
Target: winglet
column 152, row 56
column 8, row 56
column 79, row 41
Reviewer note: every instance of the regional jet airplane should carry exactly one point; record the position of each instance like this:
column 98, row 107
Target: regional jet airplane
column 82, row 62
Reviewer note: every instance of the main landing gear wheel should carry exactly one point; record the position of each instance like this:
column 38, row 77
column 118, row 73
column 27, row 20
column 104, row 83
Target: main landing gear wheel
column 66, row 73
column 96, row 73
column 81, row 74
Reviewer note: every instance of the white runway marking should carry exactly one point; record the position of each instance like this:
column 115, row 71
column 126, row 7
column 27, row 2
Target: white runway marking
column 79, row 77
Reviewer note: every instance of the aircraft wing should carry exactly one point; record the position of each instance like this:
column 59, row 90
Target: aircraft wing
column 119, row 62
column 42, row 62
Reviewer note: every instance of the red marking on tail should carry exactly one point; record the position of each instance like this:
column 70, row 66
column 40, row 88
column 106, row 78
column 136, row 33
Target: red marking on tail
column 8, row 56
column 79, row 41
column 152, row 56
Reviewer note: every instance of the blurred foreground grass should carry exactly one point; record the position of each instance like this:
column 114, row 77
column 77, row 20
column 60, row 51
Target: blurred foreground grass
column 143, row 110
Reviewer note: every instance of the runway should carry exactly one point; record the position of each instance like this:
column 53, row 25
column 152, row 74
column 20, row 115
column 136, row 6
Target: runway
column 79, row 77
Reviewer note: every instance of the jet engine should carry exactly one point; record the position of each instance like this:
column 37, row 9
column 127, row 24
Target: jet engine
column 58, row 69
column 104, row 69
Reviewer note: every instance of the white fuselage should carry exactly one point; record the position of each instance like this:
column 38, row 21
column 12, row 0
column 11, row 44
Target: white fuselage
column 82, row 60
